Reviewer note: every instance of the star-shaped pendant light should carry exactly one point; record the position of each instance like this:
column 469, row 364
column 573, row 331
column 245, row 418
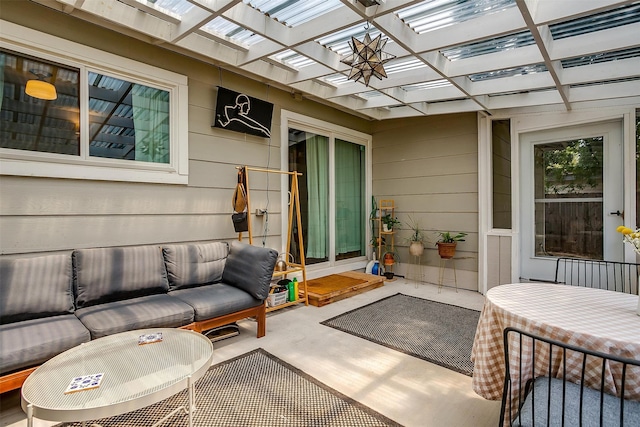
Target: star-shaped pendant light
column 367, row 58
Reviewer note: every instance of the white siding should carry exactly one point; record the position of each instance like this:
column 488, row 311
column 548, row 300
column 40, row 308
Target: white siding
column 57, row 215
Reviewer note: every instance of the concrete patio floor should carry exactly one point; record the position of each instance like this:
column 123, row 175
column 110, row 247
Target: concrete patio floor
column 408, row 390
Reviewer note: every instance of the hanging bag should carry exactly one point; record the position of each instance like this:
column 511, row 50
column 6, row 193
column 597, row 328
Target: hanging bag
column 239, row 201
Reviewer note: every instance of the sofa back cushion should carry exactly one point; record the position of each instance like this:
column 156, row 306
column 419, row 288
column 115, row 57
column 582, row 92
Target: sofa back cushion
column 250, row 268
column 194, row 264
column 113, row 274
column 32, row 288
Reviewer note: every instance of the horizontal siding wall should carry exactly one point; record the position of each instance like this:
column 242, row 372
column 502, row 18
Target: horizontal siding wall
column 40, row 215
column 429, row 166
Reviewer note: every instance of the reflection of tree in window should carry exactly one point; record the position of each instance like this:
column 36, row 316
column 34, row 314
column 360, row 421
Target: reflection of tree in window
column 568, row 194
column 573, row 166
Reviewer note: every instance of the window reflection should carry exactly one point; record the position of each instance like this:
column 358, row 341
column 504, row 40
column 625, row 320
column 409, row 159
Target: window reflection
column 28, row 123
column 127, row 120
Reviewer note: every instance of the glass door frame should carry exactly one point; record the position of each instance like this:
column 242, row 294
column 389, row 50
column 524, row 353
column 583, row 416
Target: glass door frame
column 612, row 198
column 530, row 120
column 298, row 121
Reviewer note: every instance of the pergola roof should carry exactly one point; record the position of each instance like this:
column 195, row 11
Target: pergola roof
column 450, row 55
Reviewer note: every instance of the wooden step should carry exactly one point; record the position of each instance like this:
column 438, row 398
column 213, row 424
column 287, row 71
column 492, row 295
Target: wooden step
column 328, row 289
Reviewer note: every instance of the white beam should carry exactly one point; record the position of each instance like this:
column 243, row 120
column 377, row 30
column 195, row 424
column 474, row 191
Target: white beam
column 605, row 91
column 525, row 99
column 600, row 41
column 205, row 11
column 434, row 94
column 613, row 70
column 547, row 12
column 513, row 84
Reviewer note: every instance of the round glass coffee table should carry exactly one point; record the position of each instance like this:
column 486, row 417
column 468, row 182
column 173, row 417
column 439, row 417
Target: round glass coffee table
column 129, row 375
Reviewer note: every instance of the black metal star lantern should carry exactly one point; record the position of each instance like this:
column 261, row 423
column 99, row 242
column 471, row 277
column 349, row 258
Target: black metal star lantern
column 367, row 58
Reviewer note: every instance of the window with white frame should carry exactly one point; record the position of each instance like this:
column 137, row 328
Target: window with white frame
column 98, row 122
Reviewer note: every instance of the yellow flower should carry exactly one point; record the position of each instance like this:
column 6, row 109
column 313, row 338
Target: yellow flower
column 620, row 228
column 626, row 231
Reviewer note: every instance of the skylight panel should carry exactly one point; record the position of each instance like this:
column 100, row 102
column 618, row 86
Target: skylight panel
column 336, row 79
column 493, row 45
column 370, row 94
column 224, row 28
column 294, row 59
column 614, row 18
column 105, row 82
column 508, row 72
column 339, row 41
column 294, row 12
column 435, row 84
column 403, row 64
column 435, row 14
column 175, row 8
column 601, row 57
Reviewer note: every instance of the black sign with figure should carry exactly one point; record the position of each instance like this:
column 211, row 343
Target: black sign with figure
column 241, row 113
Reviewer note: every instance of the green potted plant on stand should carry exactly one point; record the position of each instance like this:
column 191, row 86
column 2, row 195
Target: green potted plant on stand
column 448, row 242
column 416, row 239
column 388, row 222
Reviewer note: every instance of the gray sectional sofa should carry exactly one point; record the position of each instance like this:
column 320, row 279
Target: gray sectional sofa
column 50, row 304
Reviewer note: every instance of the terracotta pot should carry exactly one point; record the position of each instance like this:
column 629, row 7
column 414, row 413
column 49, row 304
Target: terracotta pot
column 388, row 259
column 416, row 248
column 446, row 250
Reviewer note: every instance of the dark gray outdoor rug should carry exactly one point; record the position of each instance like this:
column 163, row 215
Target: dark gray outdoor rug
column 436, row 332
column 256, row 389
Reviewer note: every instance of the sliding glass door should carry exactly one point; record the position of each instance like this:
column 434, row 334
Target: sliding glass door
column 332, row 196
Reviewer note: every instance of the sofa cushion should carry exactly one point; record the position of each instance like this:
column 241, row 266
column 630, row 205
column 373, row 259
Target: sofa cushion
column 250, row 268
column 194, row 264
column 31, row 288
column 33, row 342
column 571, row 397
column 111, row 274
column 215, row 300
column 153, row 311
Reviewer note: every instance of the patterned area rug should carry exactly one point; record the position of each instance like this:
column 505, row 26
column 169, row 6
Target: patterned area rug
column 256, row 389
column 436, row 332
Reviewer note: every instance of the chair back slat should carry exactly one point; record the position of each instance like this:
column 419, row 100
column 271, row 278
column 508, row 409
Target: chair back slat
column 551, row 383
column 610, row 275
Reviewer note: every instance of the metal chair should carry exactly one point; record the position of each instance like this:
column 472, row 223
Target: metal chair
column 550, row 383
column 592, row 273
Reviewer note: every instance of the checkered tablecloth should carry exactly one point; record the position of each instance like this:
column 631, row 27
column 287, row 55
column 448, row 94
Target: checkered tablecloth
column 596, row 319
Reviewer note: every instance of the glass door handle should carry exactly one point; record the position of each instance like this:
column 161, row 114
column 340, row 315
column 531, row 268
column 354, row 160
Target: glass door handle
column 620, row 214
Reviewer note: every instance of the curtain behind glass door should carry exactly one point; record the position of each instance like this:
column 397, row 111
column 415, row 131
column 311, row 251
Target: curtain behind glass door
column 309, row 154
column 349, row 196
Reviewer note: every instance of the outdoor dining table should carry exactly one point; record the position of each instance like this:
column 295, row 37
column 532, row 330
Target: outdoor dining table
column 595, row 319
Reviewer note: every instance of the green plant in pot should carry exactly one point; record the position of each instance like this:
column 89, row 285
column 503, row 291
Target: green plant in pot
column 389, row 222
column 375, row 242
column 447, row 243
column 416, row 239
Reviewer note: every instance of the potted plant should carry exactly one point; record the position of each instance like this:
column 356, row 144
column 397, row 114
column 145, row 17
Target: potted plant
column 375, row 242
column 448, row 242
column 388, row 222
column 416, row 239
column 388, row 260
